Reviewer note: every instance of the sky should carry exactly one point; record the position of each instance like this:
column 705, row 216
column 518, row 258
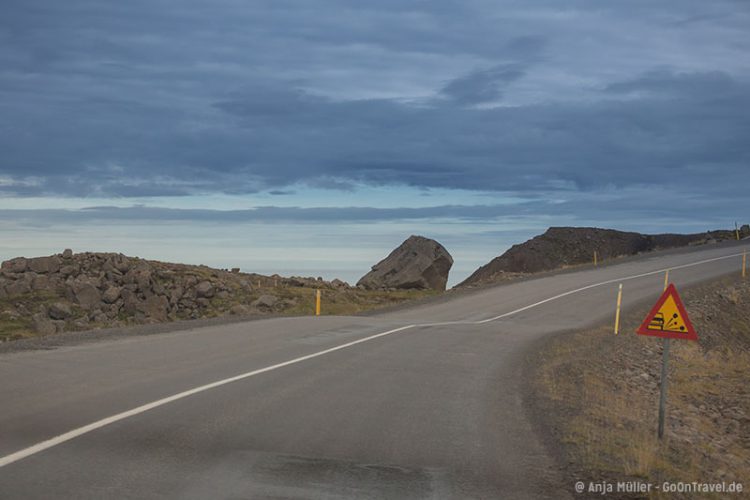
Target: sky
column 311, row 138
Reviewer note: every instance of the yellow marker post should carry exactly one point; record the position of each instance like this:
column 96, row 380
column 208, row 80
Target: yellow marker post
column 317, row 303
column 617, row 314
column 596, row 259
column 666, row 279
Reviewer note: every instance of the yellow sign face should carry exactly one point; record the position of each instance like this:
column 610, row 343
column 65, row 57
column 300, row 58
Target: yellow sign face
column 667, row 318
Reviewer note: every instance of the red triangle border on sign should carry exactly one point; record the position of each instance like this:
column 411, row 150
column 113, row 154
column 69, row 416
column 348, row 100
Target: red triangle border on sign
column 691, row 334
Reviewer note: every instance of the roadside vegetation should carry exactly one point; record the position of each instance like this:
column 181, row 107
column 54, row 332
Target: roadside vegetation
column 598, row 396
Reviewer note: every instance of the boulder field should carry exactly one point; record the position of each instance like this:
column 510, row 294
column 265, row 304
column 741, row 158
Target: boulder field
column 71, row 291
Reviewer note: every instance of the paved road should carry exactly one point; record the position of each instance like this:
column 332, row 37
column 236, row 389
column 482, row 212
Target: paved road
column 430, row 411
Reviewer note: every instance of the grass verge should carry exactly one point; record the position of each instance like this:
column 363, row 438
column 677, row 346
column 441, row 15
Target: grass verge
column 598, row 396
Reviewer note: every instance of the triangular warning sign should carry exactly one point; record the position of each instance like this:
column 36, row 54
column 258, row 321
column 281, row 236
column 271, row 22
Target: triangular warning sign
column 668, row 318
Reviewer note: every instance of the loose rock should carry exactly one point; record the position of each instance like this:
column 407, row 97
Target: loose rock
column 265, row 302
column 87, row 295
column 43, row 325
column 205, row 289
column 59, row 310
column 17, row 265
column 239, row 310
column 111, row 295
column 44, row 265
column 155, row 307
column 17, row 287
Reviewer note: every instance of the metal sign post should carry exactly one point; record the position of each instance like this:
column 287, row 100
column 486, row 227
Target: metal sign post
column 668, row 319
column 663, row 390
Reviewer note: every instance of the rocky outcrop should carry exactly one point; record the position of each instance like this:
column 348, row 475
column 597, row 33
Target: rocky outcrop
column 78, row 291
column 418, row 263
column 567, row 246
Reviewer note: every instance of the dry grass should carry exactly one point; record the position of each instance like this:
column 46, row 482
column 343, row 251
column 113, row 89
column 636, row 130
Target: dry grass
column 605, row 427
column 601, row 395
column 15, row 326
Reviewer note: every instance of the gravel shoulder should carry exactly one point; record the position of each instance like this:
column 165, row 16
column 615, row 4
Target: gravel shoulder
column 594, row 397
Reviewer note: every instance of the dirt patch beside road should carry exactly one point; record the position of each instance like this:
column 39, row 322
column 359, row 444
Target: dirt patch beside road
column 596, row 398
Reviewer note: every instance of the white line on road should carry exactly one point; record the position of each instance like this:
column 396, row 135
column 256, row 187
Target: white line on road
column 608, row 282
column 62, row 438
column 44, row 445
column 577, row 290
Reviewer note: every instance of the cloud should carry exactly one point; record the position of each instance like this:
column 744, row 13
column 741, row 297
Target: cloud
column 114, row 99
column 482, row 86
column 638, row 208
column 679, row 123
column 264, row 214
column 668, row 84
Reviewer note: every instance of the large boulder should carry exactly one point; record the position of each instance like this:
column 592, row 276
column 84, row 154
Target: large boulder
column 87, row 295
column 18, row 287
column 17, row 265
column 111, row 294
column 44, row 265
column 155, row 307
column 418, row 263
column 121, row 263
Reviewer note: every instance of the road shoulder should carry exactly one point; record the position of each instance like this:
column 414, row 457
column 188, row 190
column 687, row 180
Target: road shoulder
column 593, row 397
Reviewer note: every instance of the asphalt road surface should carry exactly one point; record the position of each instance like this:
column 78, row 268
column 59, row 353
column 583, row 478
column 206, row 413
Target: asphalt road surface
column 425, row 402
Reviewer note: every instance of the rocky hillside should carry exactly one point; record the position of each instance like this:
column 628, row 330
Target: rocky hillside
column 68, row 291
column 568, row 246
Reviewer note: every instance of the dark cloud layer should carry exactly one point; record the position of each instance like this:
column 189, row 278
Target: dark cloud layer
column 482, row 86
column 160, row 99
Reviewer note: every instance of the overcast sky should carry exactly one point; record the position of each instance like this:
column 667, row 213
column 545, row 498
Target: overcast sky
column 308, row 137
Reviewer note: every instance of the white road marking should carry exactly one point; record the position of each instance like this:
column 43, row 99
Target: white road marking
column 62, row 438
column 577, row 290
column 44, row 445
column 608, row 282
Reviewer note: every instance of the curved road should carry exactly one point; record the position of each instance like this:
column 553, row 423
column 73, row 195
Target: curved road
column 424, row 402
